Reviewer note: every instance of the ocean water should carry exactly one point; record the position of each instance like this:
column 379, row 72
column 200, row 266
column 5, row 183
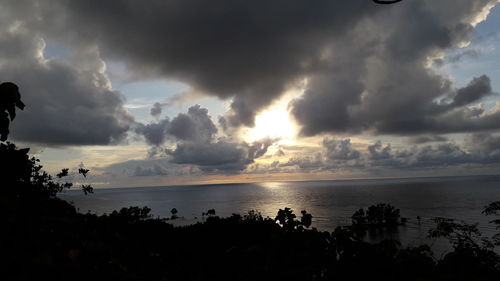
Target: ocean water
column 330, row 202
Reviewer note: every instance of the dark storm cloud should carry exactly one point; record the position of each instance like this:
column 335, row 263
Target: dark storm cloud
column 477, row 89
column 154, row 133
column 196, row 125
column 64, row 110
column 379, row 83
column 69, row 102
column 249, row 50
column 365, row 64
column 65, row 106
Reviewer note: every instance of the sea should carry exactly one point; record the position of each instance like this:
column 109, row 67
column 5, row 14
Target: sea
column 331, row 203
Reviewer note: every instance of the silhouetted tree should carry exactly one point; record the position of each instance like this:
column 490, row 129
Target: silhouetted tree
column 22, row 175
column 306, row 219
column 494, row 209
column 10, row 98
column 174, row 214
column 359, row 217
column 132, row 214
column 378, row 215
column 287, row 219
column 210, row 212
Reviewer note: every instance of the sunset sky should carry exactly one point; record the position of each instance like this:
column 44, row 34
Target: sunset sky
column 185, row 92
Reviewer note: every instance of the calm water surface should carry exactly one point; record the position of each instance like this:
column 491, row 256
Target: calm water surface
column 330, row 202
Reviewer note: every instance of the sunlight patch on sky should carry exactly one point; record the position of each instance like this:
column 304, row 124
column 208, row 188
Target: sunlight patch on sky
column 55, row 159
column 275, row 121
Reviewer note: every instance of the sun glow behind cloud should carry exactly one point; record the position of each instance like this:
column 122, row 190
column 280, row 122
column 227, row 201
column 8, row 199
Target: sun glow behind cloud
column 275, row 121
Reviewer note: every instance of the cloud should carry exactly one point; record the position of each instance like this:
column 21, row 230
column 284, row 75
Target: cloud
column 378, row 152
column 378, row 80
column 196, row 125
column 306, row 163
column 142, row 168
column 340, row 149
column 486, row 146
column 156, row 110
column 194, row 136
column 366, row 65
column 155, row 133
column 479, row 149
column 219, row 156
column 156, row 170
column 250, row 51
column 68, row 101
column 477, row 89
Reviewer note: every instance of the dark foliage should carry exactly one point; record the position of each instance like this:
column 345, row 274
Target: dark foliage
column 9, row 100
column 45, row 238
column 378, row 217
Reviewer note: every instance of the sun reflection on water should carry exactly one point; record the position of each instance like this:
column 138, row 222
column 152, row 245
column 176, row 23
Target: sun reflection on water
column 272, row 185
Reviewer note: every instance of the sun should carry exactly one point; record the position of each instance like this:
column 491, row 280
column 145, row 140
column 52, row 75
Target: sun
column 273, row 123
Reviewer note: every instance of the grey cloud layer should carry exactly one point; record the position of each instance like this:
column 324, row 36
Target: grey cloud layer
column 481, row 149
column 219, row 156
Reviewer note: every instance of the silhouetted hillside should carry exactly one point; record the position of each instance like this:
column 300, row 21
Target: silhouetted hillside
column 47, row 239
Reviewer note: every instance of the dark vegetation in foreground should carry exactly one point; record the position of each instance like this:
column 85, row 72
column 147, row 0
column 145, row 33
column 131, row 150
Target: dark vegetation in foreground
column 45, row 238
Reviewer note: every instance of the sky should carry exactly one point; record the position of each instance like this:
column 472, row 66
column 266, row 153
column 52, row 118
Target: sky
column 194, row 92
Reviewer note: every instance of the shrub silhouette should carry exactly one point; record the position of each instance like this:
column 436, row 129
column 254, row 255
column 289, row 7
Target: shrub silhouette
column 23, row 175
column 47, row 239
column 10, row 98
column 473, row 257
column 287, row 219
column 377, row 215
